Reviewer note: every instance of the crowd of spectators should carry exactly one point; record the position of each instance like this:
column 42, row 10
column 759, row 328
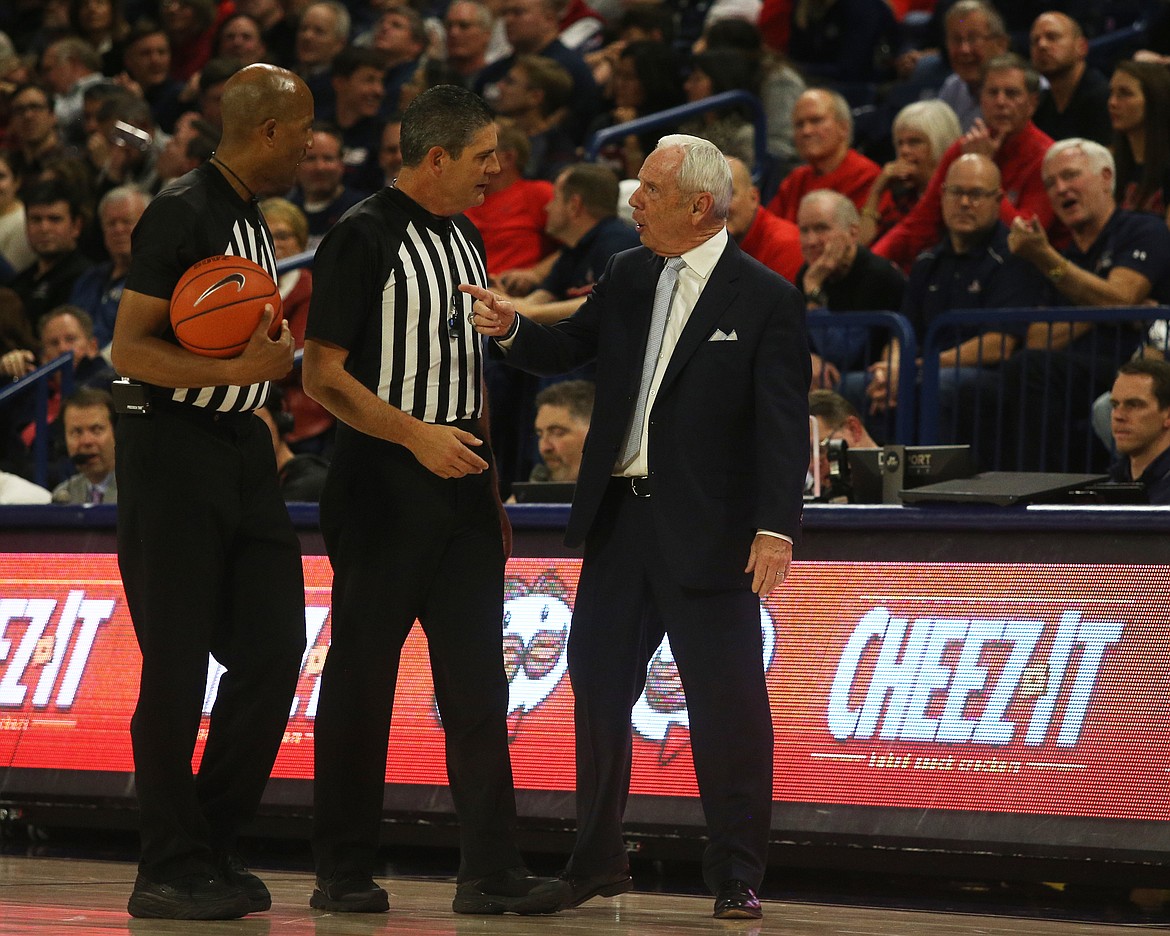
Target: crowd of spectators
column 909, row 138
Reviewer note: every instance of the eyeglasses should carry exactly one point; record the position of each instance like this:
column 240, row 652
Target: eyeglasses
column 29, row 108
column 974, row 195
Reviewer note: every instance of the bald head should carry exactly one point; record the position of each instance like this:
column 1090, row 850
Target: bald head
column 745, row 198
column 267, row 128
column 259, row 93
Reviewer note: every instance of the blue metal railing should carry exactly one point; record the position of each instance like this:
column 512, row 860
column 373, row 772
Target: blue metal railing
column 988, row 411
column 893, row 326
column 38, row 382
column 672, row 117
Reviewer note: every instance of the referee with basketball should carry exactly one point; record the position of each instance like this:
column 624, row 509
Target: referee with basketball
column 208, row 556
column 410, row 514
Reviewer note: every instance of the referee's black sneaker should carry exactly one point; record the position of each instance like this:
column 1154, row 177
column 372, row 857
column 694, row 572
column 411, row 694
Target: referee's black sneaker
column 515, row 890
column 232, row 870
column 355, row 894
column 196, row 896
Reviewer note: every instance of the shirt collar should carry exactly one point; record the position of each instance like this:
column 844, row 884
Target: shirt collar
column 702, row 259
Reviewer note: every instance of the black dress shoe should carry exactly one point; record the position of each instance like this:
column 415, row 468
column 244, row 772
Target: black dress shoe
column 583, row 887
column 233, row 870
column 514, row 890
column 191, row 897
column 355, row 894
column 736, row 901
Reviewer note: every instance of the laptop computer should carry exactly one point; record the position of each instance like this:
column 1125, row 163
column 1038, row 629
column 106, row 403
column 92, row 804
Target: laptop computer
column 543, row 492
column 1002, row 488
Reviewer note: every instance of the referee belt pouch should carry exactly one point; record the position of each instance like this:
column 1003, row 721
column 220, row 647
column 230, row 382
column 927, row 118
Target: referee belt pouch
column 130, row 397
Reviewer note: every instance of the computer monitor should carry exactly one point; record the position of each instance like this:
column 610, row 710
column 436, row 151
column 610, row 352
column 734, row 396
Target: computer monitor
column 879, row 474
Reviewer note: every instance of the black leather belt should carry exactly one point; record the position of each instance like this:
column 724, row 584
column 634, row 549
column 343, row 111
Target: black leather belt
column 639, row 487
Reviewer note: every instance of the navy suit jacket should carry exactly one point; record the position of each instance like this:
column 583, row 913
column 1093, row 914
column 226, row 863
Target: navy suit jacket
column 728, row 437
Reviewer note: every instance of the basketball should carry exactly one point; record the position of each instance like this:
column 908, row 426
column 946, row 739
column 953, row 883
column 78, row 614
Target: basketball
column 218, row 303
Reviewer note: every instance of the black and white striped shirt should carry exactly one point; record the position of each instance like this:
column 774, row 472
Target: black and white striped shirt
column 199, row 215
column 384, row 289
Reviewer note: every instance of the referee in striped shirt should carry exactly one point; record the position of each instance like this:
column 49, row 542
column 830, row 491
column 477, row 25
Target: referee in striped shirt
column 410, row 513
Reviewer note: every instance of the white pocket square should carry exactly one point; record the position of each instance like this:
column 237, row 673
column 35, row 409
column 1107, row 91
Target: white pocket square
column 720, row 335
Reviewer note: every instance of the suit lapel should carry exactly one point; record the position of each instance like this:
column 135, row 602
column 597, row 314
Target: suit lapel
column 717, row 295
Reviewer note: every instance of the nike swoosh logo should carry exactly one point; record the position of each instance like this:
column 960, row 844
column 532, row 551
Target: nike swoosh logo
column 237, row 278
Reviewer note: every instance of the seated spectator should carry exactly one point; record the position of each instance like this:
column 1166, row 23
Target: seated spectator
column 645, row 80
column 1006, row 134
column 277, row 28
column 843, row 40
column 563, row 413
column 1139, row 109
column 582, row 216
column 321, row 192
column 1140, row 422
column 1116, row 258
column 400, row 41
column 301, row 478
column 99, row 289
column 209, row 86
column 190, row 26
column 16, row 334
column 390, row 149
column 429, row 73
column 33, row 137
column 971, row 268
column 322, row 32
column 841, row 276
column 640, row 22
column 730, row 129
column 64, row 329
column 975, row 34
column 1075, row 103
column 53, row 223
column 513, row 216
column 922, row 133
column 88, row 417
column 68, row 67
column 532, row 27
column 837, row 419
column 823, row 129
column 358, row 92
column 780, row 85
column 468, row 27
column 313, row 431
column 241, row 39
column 759, row 233
column 148, row 73
column 102, row 24
column 191, row 145
column 14, row 248
column 533, row 93
column 125, row 148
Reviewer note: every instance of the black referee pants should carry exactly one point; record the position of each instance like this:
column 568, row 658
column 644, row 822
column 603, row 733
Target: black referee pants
column 407, row 544
column 209, row 563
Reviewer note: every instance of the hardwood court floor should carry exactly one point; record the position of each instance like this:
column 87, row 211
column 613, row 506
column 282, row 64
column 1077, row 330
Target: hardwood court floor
column 72, row 897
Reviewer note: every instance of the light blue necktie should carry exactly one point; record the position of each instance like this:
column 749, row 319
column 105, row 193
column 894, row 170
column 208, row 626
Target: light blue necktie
column 663, row 297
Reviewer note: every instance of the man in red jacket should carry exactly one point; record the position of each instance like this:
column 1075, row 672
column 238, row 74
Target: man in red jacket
column 773, row 241
column 1008, row 98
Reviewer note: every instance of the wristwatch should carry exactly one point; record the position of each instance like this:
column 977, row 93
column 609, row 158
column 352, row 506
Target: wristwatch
column 815, row 296
column 1056, row 274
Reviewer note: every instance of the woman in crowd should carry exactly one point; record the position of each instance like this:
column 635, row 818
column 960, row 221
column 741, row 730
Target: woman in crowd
column 780, row 84
column 101, row 23
column 14, row 248
column 312, row 431
column 1139, row 108
column 645, row 81
column 730, row 129
column 922, row 132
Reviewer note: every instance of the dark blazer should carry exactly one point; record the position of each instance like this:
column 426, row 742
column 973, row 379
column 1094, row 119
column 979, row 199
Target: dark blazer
column 728, row 437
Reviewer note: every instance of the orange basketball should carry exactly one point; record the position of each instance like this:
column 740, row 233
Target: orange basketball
column 218, row 304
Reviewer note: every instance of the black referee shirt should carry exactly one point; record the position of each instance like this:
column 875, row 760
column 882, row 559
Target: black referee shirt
column 384, row 289
column 200, row 215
